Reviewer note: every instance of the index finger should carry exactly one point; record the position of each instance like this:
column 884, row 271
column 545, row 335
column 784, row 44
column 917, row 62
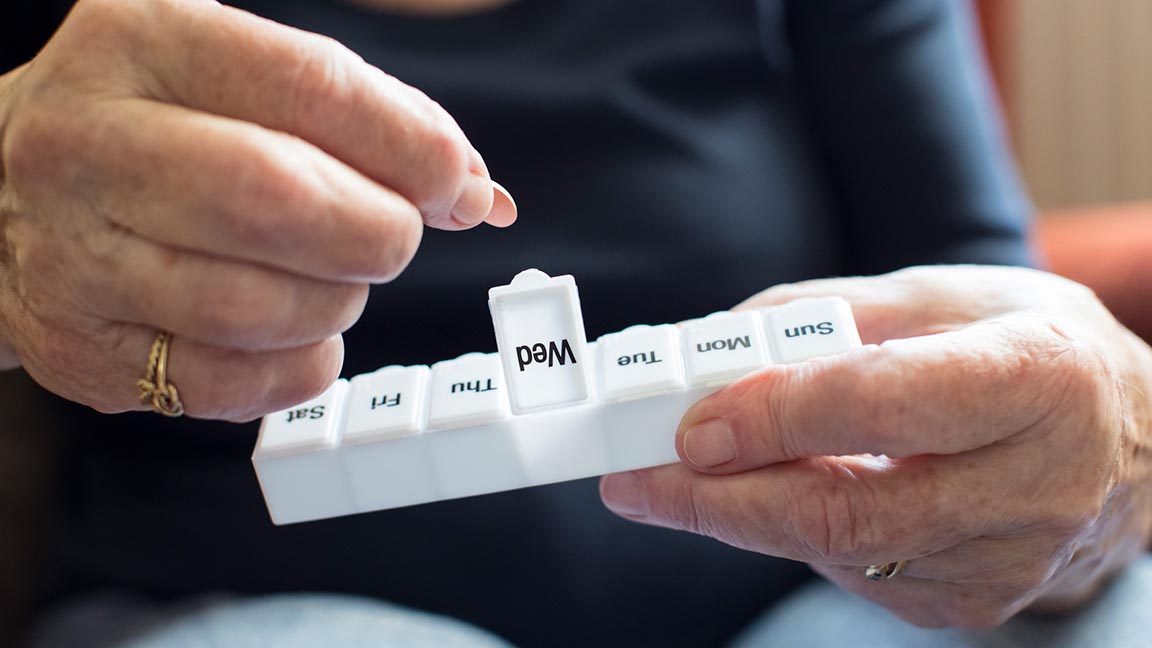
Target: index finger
column 228, row 62
column 939, row 394
column 850, row 510
column 221, row 188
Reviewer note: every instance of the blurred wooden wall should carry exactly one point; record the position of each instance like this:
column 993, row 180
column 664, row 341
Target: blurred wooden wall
column 1076, row 80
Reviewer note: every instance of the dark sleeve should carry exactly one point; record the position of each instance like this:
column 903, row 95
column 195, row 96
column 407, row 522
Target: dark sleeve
column 25, row 26
column 901, row 104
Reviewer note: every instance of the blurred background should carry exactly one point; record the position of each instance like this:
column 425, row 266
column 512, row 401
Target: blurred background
column 1075, row 81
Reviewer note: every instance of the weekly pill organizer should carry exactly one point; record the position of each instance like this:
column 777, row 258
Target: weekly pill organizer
column 548, row 407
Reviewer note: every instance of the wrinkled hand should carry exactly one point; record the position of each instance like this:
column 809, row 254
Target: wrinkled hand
column 1000, row 441
column 181, row 165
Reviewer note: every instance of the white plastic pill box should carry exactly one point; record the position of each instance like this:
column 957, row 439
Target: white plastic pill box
column 548, row 407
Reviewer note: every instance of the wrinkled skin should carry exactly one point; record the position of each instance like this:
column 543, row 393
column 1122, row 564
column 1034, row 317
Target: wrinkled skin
column 181, row 165
column 995, row 431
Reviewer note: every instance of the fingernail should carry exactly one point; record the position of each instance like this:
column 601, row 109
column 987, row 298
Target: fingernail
column 475, row 202
column 709, row 444
column 504, row 210
column 624, row 494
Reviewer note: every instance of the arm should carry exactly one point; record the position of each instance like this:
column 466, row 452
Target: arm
column 899, row 99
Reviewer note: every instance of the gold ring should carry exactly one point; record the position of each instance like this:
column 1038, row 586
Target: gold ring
column 886, row 571
column 155, row 390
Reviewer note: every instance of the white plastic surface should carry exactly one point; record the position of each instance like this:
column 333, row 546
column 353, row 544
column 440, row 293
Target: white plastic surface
column 310, row 425
column 809, row 328
column 298, row 459
column 724, row 346
column 467, row 391
column 639, row 361
column 467, row 442
column 387, row 404
column 540, row 336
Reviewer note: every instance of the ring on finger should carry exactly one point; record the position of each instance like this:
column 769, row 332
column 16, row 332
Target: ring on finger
column 155, row 390
column 887, row 571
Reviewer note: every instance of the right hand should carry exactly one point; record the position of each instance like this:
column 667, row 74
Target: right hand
column 181, row 165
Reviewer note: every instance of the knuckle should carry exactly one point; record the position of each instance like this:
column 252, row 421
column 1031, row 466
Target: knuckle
column 263, row 389
column 404, row 243
column 777, row 412
column 321, row 69
column 443, row 156
column 237, row 314
column 259, row 186
column 444, row 145
column 350, row 306
column 1072, row 513
column 1086, row 394
column 1065, row 365
column 830, row 524
column 313, row 313
column 384, row 256
column 694, row 513
column 263, row 173
column 318, row 367
column 274, row 199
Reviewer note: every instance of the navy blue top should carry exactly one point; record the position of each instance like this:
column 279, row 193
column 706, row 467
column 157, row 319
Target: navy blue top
column 676, row 157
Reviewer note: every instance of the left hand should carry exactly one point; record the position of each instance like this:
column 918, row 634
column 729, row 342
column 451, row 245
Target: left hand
column 1000, row 441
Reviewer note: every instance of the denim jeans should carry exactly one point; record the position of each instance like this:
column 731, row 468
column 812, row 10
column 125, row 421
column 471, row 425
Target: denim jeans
column 817, row 616
column 820, row 616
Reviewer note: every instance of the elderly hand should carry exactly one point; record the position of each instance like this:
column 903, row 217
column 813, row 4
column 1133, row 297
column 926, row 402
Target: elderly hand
column 180, row 165
column 1000, row 441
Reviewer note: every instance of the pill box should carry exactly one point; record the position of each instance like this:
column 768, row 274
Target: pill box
column 548, row 407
